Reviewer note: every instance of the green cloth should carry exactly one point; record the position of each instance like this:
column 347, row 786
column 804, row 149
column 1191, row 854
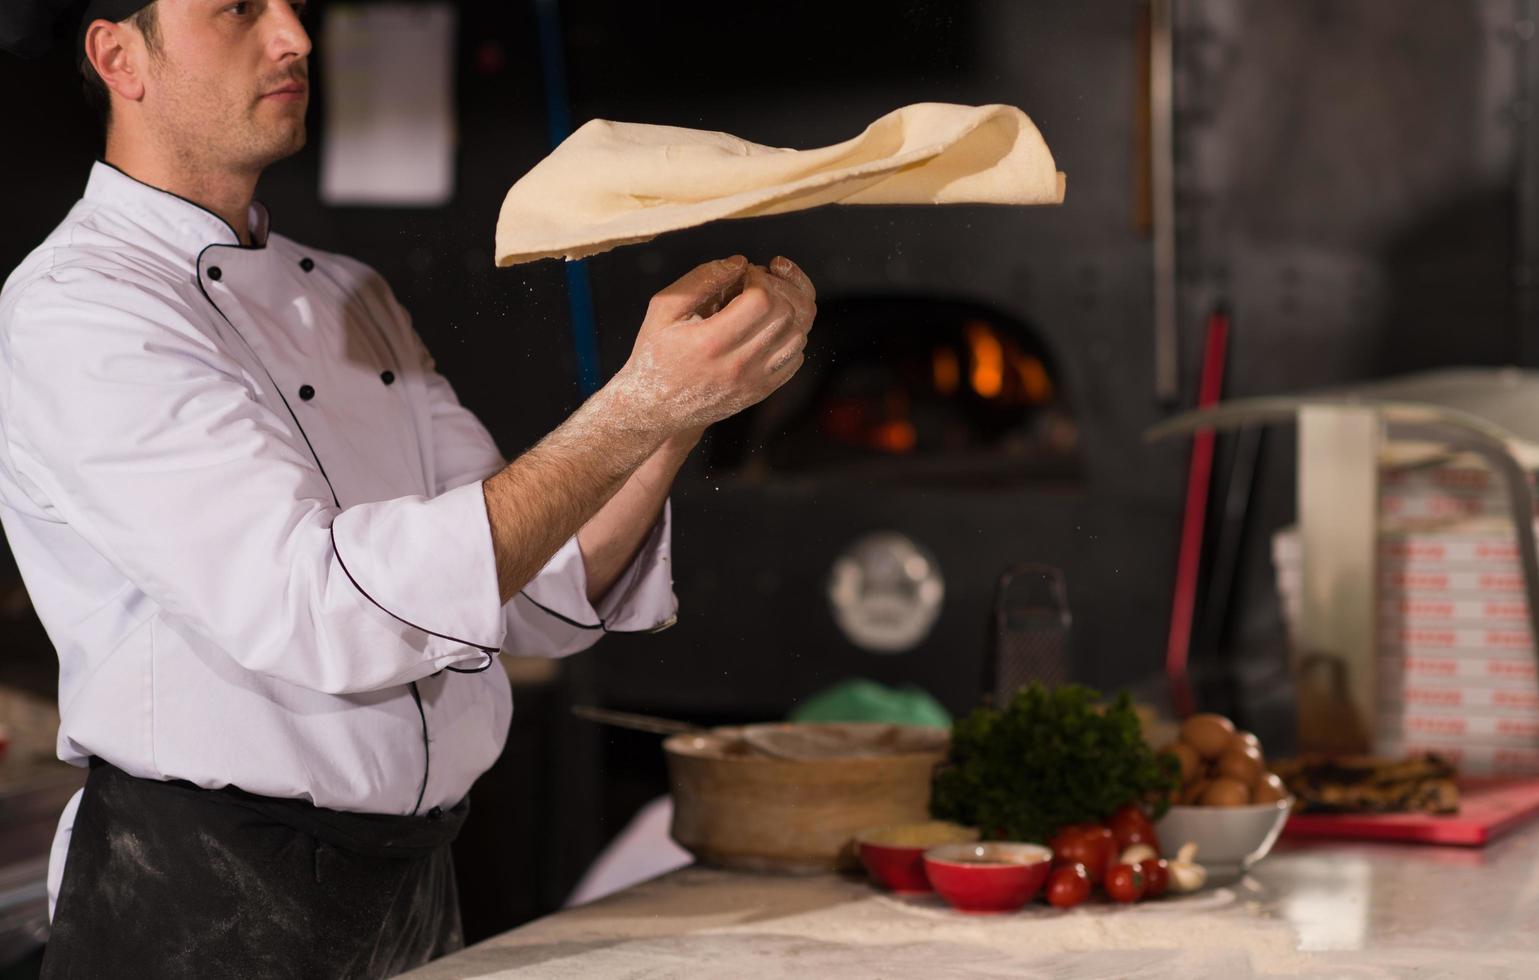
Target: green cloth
column 863, row 700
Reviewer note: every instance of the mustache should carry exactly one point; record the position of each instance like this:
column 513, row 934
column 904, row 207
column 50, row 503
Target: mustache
column 298, row 73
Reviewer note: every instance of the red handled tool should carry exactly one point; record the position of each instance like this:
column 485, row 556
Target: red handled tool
column 1193, row 525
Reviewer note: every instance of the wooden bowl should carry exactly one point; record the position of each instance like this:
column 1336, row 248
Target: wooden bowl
column 735, row 807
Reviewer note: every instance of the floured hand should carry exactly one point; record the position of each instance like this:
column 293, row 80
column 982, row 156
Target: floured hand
column 723, row 337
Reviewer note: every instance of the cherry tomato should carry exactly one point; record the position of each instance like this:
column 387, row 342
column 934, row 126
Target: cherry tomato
column 1061, row 839
column 1130, row 825
column 1067, row 886
column 1091, row 845
column 1125, row 883
column 1113, row 858
column 1156, row 876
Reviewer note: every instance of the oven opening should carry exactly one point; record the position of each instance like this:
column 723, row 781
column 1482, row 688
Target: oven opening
column 912, row 387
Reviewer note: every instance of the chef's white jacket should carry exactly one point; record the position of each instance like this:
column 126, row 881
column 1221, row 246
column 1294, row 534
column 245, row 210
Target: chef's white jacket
column 249, row 513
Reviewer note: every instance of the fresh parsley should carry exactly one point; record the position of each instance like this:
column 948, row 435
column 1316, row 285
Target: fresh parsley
column 1049, row 759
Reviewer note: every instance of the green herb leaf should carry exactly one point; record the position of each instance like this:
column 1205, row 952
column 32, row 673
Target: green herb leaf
column 1049, row 759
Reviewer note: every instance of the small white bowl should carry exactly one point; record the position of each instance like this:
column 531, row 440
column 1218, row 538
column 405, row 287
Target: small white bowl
column 1229, row 839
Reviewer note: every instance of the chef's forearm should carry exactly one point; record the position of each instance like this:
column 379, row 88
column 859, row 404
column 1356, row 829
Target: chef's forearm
column 611, row 540
column 543, row 497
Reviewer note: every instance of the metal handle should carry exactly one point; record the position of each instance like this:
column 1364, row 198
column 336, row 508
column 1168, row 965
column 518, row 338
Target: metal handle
column 638, row 723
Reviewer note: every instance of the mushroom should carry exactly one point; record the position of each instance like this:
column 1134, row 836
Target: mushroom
column 1138, row 852
column 1208, row 734
column 1186, row 875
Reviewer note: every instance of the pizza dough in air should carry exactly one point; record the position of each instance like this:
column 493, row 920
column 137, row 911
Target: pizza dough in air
column 612, row 184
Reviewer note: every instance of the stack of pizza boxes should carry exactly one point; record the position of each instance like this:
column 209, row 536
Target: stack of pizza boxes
column 1457, row 672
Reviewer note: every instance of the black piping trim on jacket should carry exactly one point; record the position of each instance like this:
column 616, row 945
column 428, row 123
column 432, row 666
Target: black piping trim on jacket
column 211, row 214
column 488, row 652
column 318, row 464
column 427, row 752
column 364, row 592
column 474, row 670
column 565, row 619
column 545, row 609
column 416, row 693
column 600, row 625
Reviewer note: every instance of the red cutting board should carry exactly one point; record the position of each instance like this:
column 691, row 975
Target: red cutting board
column 1488, row 807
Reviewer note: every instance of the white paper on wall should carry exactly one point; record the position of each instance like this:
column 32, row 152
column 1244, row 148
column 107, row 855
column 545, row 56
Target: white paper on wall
column 389, row 135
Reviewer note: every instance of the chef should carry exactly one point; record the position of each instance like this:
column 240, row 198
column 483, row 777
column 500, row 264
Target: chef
column 277, row 557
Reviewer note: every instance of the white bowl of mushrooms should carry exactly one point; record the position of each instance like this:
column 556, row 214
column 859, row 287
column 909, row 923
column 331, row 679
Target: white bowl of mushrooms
column 1229, row 805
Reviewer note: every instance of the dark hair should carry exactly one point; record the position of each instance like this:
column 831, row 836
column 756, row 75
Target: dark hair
column 147, row 24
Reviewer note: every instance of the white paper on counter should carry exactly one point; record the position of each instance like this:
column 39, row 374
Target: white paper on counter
column 389, row 135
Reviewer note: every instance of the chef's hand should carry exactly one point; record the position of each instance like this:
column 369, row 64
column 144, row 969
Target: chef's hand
column 718, row 340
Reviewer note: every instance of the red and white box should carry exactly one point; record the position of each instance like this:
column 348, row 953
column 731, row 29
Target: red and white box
column 1494, row 551
column 1406, row 468
column 1516, row 701
column 1462, row 485
column 1398, row 580
column 1401, row 612
column 1457, row 671
column 1451, row 581
column 1485, row 545
column 1470, row 758
column 1471, row 639
column 1519, row 671
column 1434, row 610
column 1432, row 506
column 1415, row 723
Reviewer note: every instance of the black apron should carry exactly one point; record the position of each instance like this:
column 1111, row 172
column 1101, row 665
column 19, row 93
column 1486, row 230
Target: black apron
column 167, row 880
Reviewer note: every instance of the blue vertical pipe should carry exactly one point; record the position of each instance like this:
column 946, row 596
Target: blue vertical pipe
column 558, row 114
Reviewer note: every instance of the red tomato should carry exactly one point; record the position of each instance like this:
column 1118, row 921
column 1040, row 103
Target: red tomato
column 1068, row 885
column 1156, row 876
column 1125, row 883
column 1130, row 825
column 1092, row 845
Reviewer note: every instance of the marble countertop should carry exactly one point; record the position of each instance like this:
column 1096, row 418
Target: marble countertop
column 1312, row 909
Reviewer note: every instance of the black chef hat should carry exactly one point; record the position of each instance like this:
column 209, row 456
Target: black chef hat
column 32, row 28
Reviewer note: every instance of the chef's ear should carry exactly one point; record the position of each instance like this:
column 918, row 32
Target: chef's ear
column 118, row 54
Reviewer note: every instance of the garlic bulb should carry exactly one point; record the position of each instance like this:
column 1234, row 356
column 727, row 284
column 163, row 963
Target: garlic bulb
column 1186, row 875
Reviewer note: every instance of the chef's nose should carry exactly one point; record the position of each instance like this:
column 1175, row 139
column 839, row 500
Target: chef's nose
column 287, row 39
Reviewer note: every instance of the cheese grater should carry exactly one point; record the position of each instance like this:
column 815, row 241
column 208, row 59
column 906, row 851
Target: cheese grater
column 1031, row 628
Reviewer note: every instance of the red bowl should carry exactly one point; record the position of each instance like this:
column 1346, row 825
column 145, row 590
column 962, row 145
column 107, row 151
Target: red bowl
column 900, row 866
column 998, row 876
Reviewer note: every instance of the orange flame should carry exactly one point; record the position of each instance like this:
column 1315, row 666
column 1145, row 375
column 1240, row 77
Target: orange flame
column 946, row 370
column 1033, row 375
column 988, row 374
column 896, row 436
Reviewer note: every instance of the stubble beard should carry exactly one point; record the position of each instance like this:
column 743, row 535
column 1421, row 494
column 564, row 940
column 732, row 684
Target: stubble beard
column 261, row 140
column 239, row 133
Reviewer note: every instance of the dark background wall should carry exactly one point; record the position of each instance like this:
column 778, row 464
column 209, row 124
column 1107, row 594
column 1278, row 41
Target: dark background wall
column 1346, row 188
